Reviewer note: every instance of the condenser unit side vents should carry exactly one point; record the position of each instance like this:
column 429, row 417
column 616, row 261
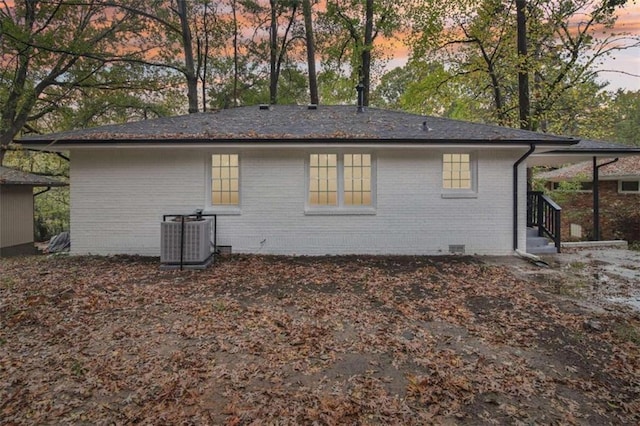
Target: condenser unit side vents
column 196, row 244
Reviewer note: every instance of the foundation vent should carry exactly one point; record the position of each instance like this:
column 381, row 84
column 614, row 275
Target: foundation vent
column 456, row 248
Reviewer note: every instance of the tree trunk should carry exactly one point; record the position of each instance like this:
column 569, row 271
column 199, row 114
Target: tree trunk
column 189, row 72
column 205, row 56
column 311, row 53
column 235, row 53
column 273, row 55
column 366, row 51
column 523, row 75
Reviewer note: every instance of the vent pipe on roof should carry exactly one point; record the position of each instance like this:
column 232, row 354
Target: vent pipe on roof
column 264, row 106
column 312, row 106
column 360, row 89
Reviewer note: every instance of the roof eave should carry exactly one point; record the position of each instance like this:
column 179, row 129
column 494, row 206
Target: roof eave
column 74, row 143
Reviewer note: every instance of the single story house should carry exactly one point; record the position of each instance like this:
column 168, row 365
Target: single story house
column 16, row 209
column 303, row 180
column 619, row 198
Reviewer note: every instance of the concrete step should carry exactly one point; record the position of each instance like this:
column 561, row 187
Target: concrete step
column 532, row 232
column 548, row 249
column 537, row 244
column 537, row 241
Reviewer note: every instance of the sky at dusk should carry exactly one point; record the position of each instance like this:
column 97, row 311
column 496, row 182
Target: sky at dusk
column 624, row 66
column 629, row 60
column 620, row 65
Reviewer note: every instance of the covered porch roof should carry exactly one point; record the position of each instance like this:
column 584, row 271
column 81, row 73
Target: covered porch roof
column 599, row 153
column 585, row 150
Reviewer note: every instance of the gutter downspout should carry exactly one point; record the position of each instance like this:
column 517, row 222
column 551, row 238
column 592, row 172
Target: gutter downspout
column 532, row 147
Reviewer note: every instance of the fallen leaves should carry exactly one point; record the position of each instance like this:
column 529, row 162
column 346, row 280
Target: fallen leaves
column 335, row 340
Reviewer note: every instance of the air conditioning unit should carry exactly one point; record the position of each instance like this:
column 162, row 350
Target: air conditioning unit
column 192, row 248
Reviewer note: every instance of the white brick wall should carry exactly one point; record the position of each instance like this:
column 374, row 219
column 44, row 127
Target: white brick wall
column 118, row 198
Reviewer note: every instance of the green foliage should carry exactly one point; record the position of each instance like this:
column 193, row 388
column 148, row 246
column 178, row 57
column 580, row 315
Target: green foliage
column 566, row 189
column 566, row 45
column 335, row 88
column 626, row 110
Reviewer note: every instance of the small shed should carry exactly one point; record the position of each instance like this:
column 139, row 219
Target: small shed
column 16, row 209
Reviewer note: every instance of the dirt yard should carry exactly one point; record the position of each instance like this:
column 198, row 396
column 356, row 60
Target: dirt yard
column 331, row 340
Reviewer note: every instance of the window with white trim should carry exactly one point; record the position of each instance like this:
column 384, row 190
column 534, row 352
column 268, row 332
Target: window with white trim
column 341, row 181
column 459, row 174
column 323, row 180
column 628, row 186
column 225, row 180
column 357, row 179
column 456, row 171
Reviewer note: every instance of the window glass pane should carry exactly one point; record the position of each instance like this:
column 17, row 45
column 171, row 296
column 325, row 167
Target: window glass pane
column 456, row 171
column 225, row 172
column 348, row 172
column 629, row 186
column 348, row 160
column 323, row 179
column 357, row 175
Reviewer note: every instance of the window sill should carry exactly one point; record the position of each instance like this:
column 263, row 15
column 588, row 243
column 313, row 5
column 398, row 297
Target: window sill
column 461, row 194
column 338, row 211
column 224, row 210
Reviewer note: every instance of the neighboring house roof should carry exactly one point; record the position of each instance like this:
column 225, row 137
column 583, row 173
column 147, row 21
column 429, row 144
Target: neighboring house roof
column 584, row 150
column 299, row 124
column 16, row 177
column 624, row 167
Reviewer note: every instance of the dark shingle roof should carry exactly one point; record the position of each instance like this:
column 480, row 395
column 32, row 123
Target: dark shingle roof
column 599, row 147
column 16, row 177
column 624, row 167
column 282, row 123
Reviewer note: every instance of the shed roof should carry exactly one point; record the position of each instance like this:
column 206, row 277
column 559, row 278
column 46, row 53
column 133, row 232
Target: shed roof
column 624, row 167
column 10, row 176
column 290, row 123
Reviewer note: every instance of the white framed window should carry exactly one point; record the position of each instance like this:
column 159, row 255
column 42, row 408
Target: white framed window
column 323, row 180
column 340, row 183
column 224, row 183
column 629, row 186
column 459, row 174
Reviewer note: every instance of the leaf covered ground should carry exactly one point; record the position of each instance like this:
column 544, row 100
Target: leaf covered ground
column 296, row 340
